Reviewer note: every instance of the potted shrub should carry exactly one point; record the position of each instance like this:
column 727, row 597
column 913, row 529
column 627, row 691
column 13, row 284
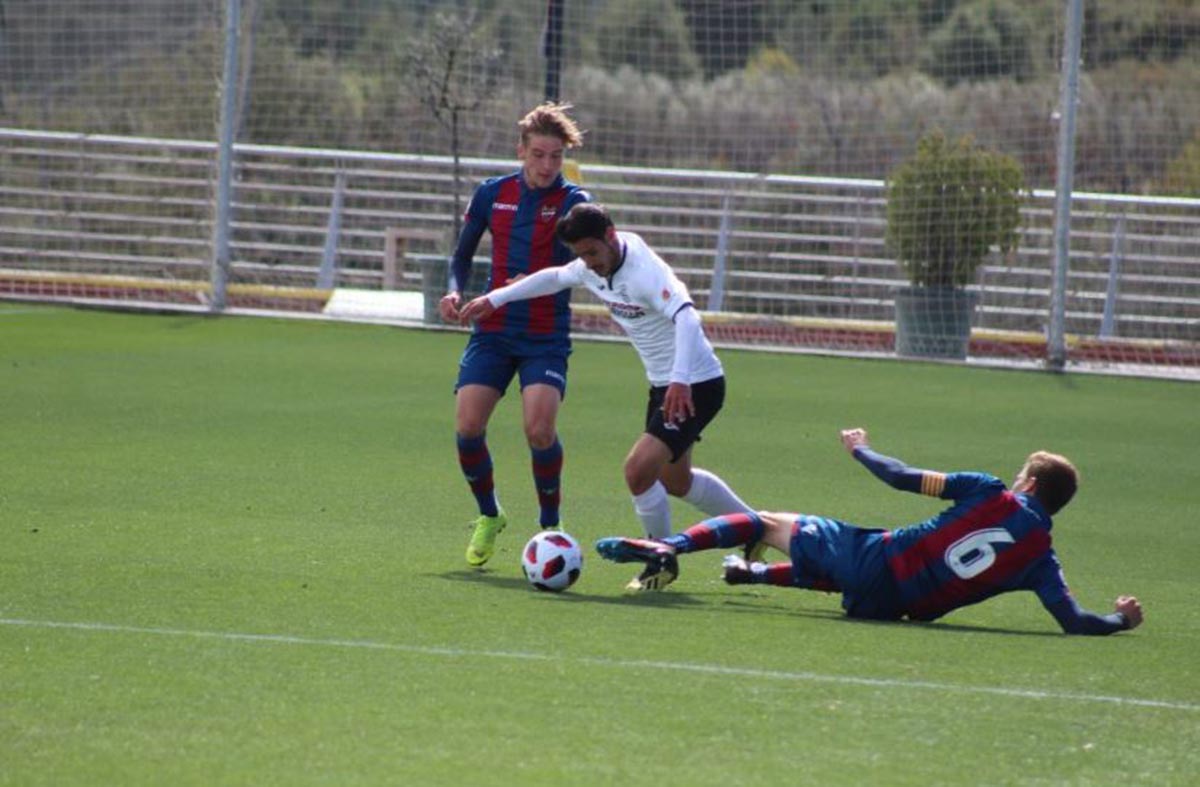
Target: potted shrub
column 947, row 206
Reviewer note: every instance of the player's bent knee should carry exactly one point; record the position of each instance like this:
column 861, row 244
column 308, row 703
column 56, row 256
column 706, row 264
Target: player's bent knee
column 470, row 427
column 540, row 436
column 676, row 487
column 638, row 476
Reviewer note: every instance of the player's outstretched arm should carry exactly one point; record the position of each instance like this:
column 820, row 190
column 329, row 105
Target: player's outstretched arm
column 891, row 471
column 1131, row 608
column 1074, row 619
column 854, row 438
column 545, row 282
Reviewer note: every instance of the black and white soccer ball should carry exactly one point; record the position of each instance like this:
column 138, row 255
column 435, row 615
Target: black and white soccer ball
column 552, row 561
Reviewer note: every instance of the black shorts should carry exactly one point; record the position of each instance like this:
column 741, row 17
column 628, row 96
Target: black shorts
column 708, row 397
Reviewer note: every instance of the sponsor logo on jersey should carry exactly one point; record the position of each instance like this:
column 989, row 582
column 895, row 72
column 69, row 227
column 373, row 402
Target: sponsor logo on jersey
column 549, row 213
column 630, row 311
column 504, row 206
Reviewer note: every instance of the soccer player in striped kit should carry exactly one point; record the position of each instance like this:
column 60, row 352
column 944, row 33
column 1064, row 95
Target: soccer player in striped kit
column 992, row 540
column 528, row 340
column 687, row 382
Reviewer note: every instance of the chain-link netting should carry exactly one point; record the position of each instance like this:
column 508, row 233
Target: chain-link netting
column 759, row 143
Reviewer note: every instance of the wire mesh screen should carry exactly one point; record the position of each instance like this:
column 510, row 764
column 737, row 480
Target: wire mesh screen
column 827, row 87
column 148, row 68
column 756, row 143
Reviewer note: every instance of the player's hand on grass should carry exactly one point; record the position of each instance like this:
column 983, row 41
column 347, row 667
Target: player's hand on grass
column 477, row 309
column 853, row 438
column 1131, row 609
column 448, row 306
column 677, row 404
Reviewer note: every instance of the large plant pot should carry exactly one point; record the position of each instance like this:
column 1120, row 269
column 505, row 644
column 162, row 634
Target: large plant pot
column 934, row 322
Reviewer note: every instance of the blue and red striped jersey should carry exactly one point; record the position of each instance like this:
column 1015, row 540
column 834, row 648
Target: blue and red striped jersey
column 521, row 221
column 990, row 541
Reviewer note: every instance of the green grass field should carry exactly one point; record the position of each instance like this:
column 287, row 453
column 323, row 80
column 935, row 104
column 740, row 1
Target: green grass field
column 231, row 552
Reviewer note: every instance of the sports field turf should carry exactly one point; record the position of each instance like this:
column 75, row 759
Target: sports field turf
column 231, row 552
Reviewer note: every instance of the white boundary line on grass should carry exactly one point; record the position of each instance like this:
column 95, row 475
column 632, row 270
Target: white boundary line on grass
column 15, row 312
column 675, row 666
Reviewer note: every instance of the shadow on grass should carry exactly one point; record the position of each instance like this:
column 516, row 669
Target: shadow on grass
column 573, row 596
column 899, row 625
column 726, row 601
column 961, row 629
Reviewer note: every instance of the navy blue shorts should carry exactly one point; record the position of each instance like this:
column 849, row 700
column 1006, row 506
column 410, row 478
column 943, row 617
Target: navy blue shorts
column 831, row 555
column 493, row 361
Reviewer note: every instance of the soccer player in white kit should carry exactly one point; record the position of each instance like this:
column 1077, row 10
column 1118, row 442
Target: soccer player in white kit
column 687, row 382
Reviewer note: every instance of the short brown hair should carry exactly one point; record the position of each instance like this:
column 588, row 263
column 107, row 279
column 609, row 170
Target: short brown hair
column 551, row 120
column 1057, row 479
column 585, row 220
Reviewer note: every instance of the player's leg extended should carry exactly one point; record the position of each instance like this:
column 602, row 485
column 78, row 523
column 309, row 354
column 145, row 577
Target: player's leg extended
column 731, row 530
column 540, row 404
column 709, row 493
column 705, row 490
column 676, row 476
column 661, row 566
column 812, row 563
column 643, row 467
column 715, row 533
column 474, row 405
column 753, row 531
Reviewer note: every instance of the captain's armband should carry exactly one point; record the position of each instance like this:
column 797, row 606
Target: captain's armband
column 933, row 484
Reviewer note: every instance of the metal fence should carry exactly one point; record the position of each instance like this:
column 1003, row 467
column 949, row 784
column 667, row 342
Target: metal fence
column 235, row 152
column 780, row 261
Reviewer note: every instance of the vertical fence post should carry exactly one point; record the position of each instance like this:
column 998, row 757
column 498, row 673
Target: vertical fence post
column 860, row 201
column 716, row 292
column 221, row 207
column 1056, row 349
column 327, row 273
column 552, row 47
column 1108, row 323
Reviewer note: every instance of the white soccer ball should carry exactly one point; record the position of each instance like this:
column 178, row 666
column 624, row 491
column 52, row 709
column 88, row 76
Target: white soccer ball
column 552, row 561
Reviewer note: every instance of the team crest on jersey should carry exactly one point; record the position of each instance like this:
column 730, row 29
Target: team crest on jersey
column 666, row 294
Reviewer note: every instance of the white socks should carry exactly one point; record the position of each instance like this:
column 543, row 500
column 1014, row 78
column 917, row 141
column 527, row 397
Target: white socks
column 653, row 507
column 713, row 496
column 708, row 493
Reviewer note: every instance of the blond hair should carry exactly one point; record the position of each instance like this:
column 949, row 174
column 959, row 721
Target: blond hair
column 550, row 119
column 1057, row 479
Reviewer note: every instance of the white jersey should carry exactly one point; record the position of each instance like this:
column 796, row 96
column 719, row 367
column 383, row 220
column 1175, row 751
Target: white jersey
column 643, row 297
